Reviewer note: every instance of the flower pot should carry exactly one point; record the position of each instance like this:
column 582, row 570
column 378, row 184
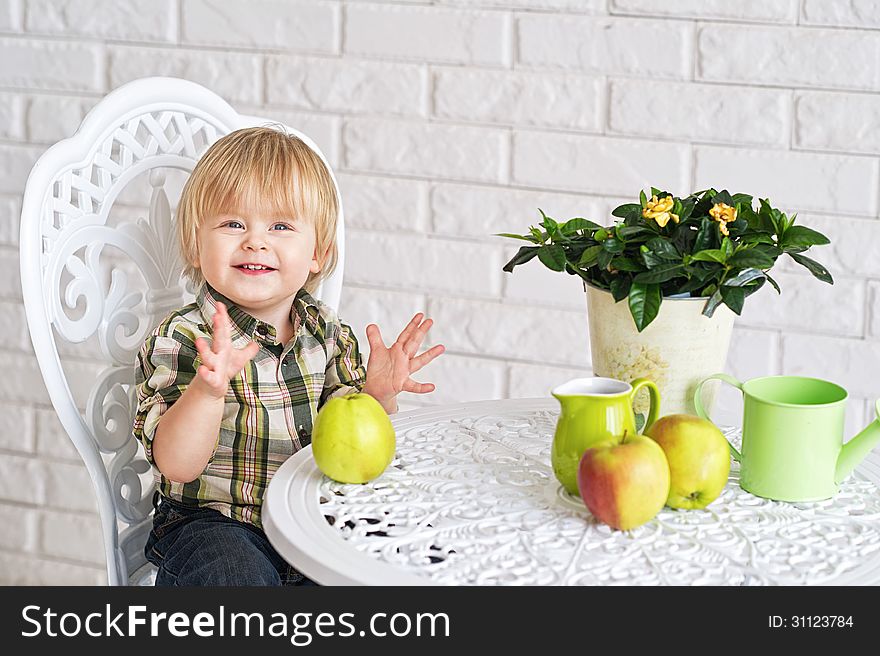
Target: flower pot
column 676, row 350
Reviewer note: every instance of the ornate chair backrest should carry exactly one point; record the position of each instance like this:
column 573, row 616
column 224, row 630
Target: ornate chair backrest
column 100, row 268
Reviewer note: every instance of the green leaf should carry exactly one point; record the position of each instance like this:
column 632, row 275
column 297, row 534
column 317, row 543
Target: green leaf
column 713, row 302
column 706, row 237
column 744, row 277
column 727, row 248
column 710, row 255
column 774, row 283
column 802, row 236
column 604, row 259
column 622, row 263
column 813, row 267
column 733, row 297
column 613, row 246
column 650, row 259
column 523, row 255
column 573, row 225
column 644, row 303
column 663, row 249
column 659, row 274
column 620, row 286
column 751, row 257
column 628, row 210
column 530, row 238
column 643, row 199
column 590, row 255
column 627, row 232
column 553, row 257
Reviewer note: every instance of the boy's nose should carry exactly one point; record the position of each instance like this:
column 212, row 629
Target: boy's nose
column 255, row 244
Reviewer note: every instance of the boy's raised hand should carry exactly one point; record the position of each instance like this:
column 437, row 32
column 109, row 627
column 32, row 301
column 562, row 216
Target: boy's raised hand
column 221, row 362
column 389, row 369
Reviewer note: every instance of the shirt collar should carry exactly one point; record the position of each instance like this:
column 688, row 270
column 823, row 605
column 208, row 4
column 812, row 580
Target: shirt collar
column 304, row 311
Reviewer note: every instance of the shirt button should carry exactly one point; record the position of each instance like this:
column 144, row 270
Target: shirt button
column 262, row 330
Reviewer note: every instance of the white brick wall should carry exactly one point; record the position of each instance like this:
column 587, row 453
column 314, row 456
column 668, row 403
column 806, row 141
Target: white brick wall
column 450, row 121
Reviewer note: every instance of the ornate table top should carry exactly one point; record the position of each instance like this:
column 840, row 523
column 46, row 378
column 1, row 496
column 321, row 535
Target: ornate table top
column 470, row 498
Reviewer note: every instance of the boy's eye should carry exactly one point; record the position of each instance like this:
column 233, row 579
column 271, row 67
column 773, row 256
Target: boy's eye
column 282, row 226
column 233, row 224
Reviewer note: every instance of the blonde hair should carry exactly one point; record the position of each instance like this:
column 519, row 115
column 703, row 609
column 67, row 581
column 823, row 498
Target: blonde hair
column 277, row 170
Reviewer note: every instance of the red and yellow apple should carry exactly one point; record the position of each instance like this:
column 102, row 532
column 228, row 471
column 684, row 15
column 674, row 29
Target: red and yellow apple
column 698, row 456
column 624, row 482
column 353, row 440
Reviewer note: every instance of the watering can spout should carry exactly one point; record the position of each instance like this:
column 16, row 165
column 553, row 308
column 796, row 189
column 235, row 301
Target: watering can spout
column 854, row 451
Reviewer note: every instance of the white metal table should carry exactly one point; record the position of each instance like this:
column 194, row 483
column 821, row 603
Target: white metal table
column 470, row 499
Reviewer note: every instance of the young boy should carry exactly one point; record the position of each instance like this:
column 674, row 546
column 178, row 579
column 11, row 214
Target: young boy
column 229, row 386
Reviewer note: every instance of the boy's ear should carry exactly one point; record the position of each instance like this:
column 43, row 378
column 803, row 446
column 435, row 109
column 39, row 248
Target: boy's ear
column 317, row 262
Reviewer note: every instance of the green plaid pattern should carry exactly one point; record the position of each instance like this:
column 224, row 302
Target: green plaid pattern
column 270, row 406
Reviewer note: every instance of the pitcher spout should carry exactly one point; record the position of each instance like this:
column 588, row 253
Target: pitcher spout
column 854, row 451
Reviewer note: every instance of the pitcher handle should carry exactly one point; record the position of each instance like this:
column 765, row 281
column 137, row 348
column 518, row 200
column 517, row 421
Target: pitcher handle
column 653, row 392
column 701, row 411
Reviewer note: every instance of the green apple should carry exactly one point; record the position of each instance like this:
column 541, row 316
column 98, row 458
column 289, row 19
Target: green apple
column 353, row 440
column 698, row 456
column 625, row 481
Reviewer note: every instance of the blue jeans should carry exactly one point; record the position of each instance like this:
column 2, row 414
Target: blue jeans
column 201, row 546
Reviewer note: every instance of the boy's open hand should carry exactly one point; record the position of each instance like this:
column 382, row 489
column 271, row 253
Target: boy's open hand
column 389, row 369
column 221, row 362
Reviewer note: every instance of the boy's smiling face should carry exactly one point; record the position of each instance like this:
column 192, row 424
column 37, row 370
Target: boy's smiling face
column 256, row 257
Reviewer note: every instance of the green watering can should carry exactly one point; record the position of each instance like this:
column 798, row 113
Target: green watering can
column 792, row 439
column 594, row 410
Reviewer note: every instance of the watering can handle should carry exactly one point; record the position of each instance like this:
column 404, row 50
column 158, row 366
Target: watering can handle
column 653, row 392
column 701, row 411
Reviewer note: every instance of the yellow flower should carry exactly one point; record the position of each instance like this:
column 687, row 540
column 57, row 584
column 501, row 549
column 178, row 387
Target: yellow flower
column 659, row 210
column 724, row 214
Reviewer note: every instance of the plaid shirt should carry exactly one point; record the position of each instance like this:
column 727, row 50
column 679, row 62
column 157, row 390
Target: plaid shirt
column 270, row 406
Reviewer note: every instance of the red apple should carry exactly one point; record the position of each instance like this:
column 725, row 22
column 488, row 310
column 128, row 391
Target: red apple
column 624, row 482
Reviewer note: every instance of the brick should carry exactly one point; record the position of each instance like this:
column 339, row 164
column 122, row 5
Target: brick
column 460, row 379
column 573, row 6
column 780, row 56
column 433, row 34
column 752, row 353
column 446, row 151
column 138, row 20
column 481, row 212
column 874, row 308
column 22, row 569
column 517, row 332
column 849, row 362
column 606, row 45
column 16, row 162
column 71, row 535
column 12, row 117
column 775, row 11
column 323, row 129
column 234, row 76
column 855, row 13
column 792, row 181
column 837, row 121
column 22, row 479
column 56, row 65
column 69, row 487
column 306, row 26
column 52, row 439
column 17, row 428
column 853, row 247
column 13, row 326
column 704, row 112
column 11, row 15
column 390, row 310
column 27, row 386
column 598, row 164
column 535, row 284
column 535, row 381
column 519, row 98
column 441, row 265
column 24, row 530
column 10, row 276
column 391, row 204
column 52, row 118
column 345, row 85
column 812, row 305
column 10, row 221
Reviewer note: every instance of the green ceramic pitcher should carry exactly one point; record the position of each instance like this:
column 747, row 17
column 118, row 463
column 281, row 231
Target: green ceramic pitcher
column 593, row 410
column 792, row 437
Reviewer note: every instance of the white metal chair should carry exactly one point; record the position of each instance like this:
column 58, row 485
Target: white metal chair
column 95, row 269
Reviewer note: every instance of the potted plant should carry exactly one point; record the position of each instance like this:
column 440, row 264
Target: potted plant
column 685, row 267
